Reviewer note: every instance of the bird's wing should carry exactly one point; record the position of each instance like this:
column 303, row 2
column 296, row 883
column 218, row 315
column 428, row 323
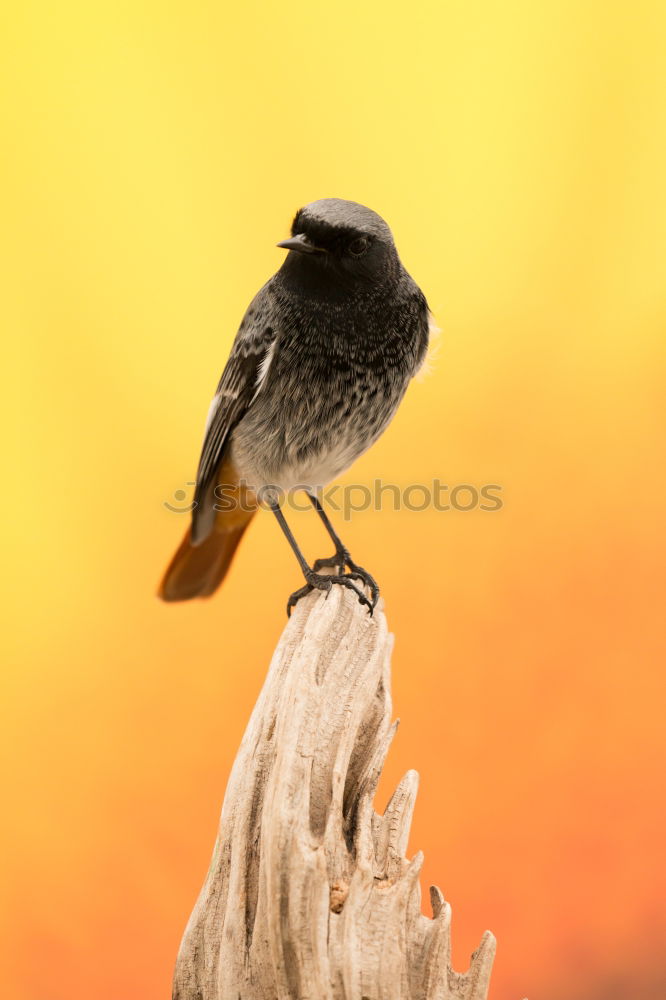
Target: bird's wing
column 241, row 378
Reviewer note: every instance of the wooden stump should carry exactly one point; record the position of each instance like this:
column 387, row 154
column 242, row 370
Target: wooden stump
column 309, row 895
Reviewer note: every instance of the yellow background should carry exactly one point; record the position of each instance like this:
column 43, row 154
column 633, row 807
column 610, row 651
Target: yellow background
column 153, row 155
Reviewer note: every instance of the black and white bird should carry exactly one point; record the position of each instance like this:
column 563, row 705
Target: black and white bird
column 319, row 365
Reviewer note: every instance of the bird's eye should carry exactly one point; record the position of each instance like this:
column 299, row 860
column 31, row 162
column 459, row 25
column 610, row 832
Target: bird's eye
column 358, row 246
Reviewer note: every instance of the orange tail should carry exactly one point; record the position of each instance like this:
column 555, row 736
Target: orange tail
column 197, row 571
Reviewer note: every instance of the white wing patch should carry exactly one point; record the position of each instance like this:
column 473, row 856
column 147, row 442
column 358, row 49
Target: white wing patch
column 215, row 405
column 264, row 365
column 212, row 410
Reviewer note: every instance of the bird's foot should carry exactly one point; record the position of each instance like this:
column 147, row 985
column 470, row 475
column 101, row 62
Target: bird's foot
column 342, row 559
column 325, row 582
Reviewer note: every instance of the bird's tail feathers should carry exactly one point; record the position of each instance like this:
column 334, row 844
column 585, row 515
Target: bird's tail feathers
column 198, row 570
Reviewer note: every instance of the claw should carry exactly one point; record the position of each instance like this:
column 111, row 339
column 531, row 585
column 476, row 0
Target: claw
column 342, row 559
column 295, row 598
column 346, row 581
column 336, row 561
column 357, row 572
column 325, row 582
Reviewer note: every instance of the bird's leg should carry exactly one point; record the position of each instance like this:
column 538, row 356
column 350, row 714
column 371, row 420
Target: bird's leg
column 342, row 559
column 314, row 580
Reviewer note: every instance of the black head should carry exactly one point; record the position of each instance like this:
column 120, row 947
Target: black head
column 338, row 247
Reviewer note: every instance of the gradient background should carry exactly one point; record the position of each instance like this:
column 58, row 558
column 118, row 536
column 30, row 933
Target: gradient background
column 154, row 154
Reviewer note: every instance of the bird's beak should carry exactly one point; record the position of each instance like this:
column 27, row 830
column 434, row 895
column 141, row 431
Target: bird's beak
column 301, row 244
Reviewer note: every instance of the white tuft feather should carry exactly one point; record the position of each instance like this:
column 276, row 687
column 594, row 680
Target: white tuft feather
column 263, row 368
column 434, row 344
column 212, row 409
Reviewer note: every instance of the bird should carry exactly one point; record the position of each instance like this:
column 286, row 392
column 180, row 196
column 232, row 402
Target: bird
column 320, row 363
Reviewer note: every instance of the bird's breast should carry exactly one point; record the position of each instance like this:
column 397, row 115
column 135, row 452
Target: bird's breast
column 324, row 399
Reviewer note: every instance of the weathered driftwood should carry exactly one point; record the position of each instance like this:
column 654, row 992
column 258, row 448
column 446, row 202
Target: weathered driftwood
column 309, row 895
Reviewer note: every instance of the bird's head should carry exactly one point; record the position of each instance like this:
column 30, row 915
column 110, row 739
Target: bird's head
column 339, row 245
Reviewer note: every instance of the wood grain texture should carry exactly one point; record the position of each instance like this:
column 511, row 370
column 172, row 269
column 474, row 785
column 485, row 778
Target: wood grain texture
column 309, row 895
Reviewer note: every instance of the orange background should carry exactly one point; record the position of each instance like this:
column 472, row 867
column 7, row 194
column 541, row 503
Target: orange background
column 154, row 154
